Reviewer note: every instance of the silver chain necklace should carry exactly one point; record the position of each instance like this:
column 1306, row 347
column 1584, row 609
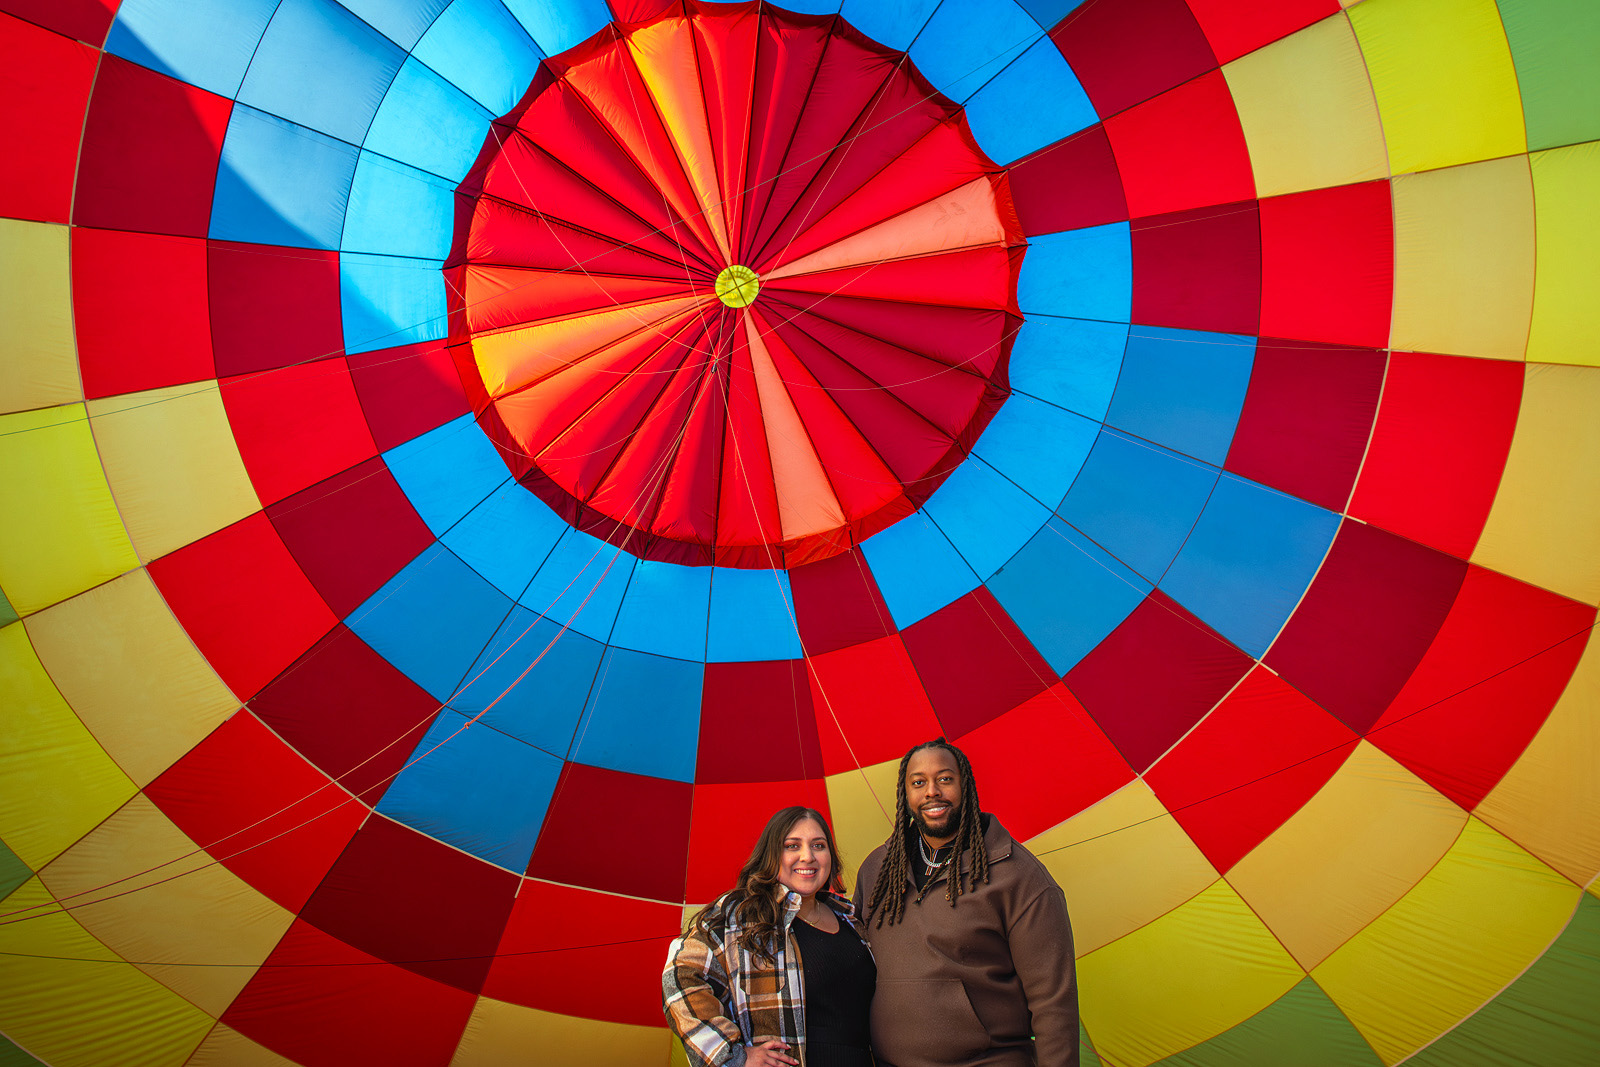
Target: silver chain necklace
column 922, row 847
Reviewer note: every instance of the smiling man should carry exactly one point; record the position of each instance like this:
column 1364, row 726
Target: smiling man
column 970, row 932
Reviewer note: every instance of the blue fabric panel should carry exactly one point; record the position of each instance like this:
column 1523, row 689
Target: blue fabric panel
column 643, row 716
column 321, row 67
column 402, row 21
column 397, row 210
column 387, row 301
column 1066, row 594
column 1249, row 560
column 539, row 703
column 1009, row 116
column 665, row 611
column 1080, row 274
column 507, row 538
column 447, row 471
column 963, row 46
column 752, row 616
column 580, row 584
column 1049, row 12
column 557, row 25
column 280, row 184
column 207, row 43
column 1183, row 389
column 917, row 569
column 1038, row 446
column 479, row 790
column 477, row 46
column 1138, row 501
column 986, row 517
column 894, row 23
column 431, row 620
column 1070, row 363
column 429, row 123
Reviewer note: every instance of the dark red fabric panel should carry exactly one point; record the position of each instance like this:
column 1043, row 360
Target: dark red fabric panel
column 780, row 94
column 1127, row 52
column 1070, row 184
column 593, row 806
column 1154, row 677
column 975, row 662
column 407, row 391
column 950, row 336
column 1238, row 27
column 244, row 602
column 837, row 603
column 271, row 306
column 1306, row 418
column 522, row 236
column 762, row 706
column 1502, row 659
column 139, row 306
column 638, row 10
column 411, row 900
column 1327, row 265
column 150, row 151
column 44, row 80
column 1199, row 270
column 1365, row 622
column 321, row 1003
column 253, row 803
column 1183, row 149
column 1438, row 449
column 727, row 820
column 86, row 20
column 1248, row 766
column 869, row 700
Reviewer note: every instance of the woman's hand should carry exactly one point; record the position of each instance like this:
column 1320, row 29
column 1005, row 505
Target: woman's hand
column 768, row 1054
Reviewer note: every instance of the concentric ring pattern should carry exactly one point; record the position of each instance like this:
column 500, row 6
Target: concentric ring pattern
column 342, row 725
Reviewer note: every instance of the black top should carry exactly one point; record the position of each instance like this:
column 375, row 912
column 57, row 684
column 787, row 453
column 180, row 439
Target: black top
column 839, row 981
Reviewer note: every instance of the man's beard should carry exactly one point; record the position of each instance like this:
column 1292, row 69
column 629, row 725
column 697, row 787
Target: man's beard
column 951, row 822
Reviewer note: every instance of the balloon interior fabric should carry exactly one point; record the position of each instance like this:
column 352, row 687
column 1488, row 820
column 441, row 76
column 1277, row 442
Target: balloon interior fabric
column 465, row 463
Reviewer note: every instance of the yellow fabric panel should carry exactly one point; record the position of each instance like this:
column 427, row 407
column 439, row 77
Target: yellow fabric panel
column 499, row 1033
column 1308, row 112
column 59, row 529
column 1122, row 863
column 226, row 1047
column 184, row 912
column 1544, row 526
column 1188, row 976
column 79, row 1011
column 1464, row 258
column 56, row 783
column 131, row 674
column 1566, row 309
column 1549, row 802
column 1486, row 911
column 38, row 357
column 1360, row 844
column 861, row 806
column 170, row 457
column 1445, row 83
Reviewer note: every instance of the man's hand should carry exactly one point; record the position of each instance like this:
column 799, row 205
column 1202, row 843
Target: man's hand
column 768, row 1054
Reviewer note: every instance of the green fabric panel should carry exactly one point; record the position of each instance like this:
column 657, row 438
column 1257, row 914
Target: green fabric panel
column 12, row 1056
column 1546, row 1018
column 1554, row 44
column 1087, row 1056
column 8, row 614
column 13, row 872
column 1302, row 1028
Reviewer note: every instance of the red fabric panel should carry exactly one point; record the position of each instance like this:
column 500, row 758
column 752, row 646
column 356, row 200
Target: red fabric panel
column 975, row 662
column 1183, row 149
column 150, row 150
column 1327, row 265
column 321, row 1003
column 271, row 306
column 781, row 94
column 757, row 723
column 725, row 54
column 297, row 425
column 407, row 391
column 558, row 966
column 638, row 10
column 44, row 80
column 868, row 701
column 1042, row 762
column 1306, row 418
column 1365, row 622
column 949, row 336
column 244, row 602
column 1154, row 677
column 1199, row 270
column 593, row 809
column 1249, row 765
column 140, row 308
column 253, row 803
column 727, row 819
column 747, row 501
column 837, row 603
column 1068, row 185
column 1127, row 52
column 1487, row 683
column 973, row 278
column 1438, row 449
column 1238, row 27
column 416, row 902
column 515, row 235
column 349, row 711
column 87, row 20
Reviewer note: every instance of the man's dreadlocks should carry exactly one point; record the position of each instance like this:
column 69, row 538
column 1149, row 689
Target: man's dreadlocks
column 888, row 898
